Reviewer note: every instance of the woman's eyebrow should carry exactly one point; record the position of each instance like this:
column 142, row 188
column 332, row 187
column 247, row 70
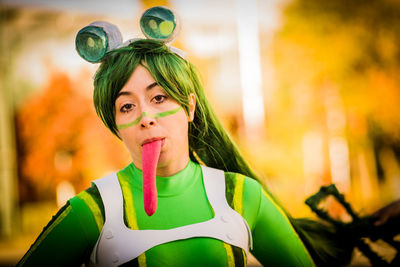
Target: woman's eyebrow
column 151, row 86
column 122, row 93
column 148, row 87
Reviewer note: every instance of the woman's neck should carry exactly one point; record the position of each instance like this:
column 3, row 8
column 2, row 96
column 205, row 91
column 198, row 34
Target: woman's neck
column 172, row 168
column 167, row 169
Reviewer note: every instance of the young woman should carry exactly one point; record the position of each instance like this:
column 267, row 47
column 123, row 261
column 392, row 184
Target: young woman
column 152, row 99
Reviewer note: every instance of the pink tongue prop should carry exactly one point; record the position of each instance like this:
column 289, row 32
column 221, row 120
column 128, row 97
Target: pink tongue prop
column 150, row 155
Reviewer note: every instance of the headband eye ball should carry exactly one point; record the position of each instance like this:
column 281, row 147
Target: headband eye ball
column 91, row 43
column 159, row 23
column 96, row 39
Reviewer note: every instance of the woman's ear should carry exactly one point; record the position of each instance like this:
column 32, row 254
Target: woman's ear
column 192, row 107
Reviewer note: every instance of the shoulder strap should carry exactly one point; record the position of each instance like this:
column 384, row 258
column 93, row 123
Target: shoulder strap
column 113, row 206
column 111, row 195
column 214, row 184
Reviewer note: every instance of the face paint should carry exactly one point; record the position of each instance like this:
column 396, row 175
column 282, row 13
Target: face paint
column 144, row 114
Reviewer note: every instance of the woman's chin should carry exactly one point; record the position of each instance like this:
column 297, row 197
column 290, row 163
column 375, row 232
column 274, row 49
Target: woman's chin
column 163, row 162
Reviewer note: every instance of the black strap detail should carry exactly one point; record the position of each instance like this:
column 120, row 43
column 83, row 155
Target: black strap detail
column 132, row 263
column 238, row 254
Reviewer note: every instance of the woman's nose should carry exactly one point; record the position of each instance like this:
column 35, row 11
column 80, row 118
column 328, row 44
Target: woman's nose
column 147, row 121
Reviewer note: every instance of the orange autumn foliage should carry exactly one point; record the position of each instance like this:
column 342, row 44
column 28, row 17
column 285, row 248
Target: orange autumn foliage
column 60, row 138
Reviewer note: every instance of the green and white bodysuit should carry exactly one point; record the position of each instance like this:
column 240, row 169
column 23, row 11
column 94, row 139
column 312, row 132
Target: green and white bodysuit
column 183, row 202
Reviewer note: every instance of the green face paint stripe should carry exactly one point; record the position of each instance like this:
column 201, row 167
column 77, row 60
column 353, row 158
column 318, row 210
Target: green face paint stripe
column 144, row 114
column 167, row 113
column 124, row 126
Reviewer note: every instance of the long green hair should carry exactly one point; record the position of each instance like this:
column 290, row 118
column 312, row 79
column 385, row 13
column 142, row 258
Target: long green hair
column 209, row 143
column 179, row 78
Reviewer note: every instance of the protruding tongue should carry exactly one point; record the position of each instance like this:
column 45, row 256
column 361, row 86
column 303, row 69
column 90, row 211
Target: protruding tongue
column 150, row 155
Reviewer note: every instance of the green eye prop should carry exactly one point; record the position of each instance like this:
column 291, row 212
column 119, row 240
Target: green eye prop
column 159, row 23
column 96, row 39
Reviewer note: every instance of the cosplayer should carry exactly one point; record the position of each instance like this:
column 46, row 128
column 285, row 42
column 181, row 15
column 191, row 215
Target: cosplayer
column 188, row 198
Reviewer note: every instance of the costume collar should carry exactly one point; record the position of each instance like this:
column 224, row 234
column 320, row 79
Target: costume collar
column 167, row 186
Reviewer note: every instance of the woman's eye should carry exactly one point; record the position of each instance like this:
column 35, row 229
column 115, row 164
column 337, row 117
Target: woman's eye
column 126, row 108
column 160, row 98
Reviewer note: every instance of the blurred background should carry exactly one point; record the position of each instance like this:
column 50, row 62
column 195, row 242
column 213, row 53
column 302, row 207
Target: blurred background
column 309, row 90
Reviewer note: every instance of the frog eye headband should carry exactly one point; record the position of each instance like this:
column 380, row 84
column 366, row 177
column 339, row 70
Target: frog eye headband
column 100, row 37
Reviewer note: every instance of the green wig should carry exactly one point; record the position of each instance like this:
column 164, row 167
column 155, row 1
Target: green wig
column 179, row 78
column 209, row 143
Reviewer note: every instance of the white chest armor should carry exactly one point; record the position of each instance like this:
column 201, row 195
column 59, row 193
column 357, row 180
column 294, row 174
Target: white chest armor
column 118, row 244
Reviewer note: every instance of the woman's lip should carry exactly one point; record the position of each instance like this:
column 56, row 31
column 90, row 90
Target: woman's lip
column 154, row 139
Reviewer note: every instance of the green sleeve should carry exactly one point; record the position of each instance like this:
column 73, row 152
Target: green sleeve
column 275, row 242
column 67, row 240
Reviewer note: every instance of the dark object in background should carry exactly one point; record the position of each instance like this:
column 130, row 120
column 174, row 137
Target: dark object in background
column 361, row 227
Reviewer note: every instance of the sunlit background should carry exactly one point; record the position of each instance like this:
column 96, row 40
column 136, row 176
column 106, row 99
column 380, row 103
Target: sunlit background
column 309, row 90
